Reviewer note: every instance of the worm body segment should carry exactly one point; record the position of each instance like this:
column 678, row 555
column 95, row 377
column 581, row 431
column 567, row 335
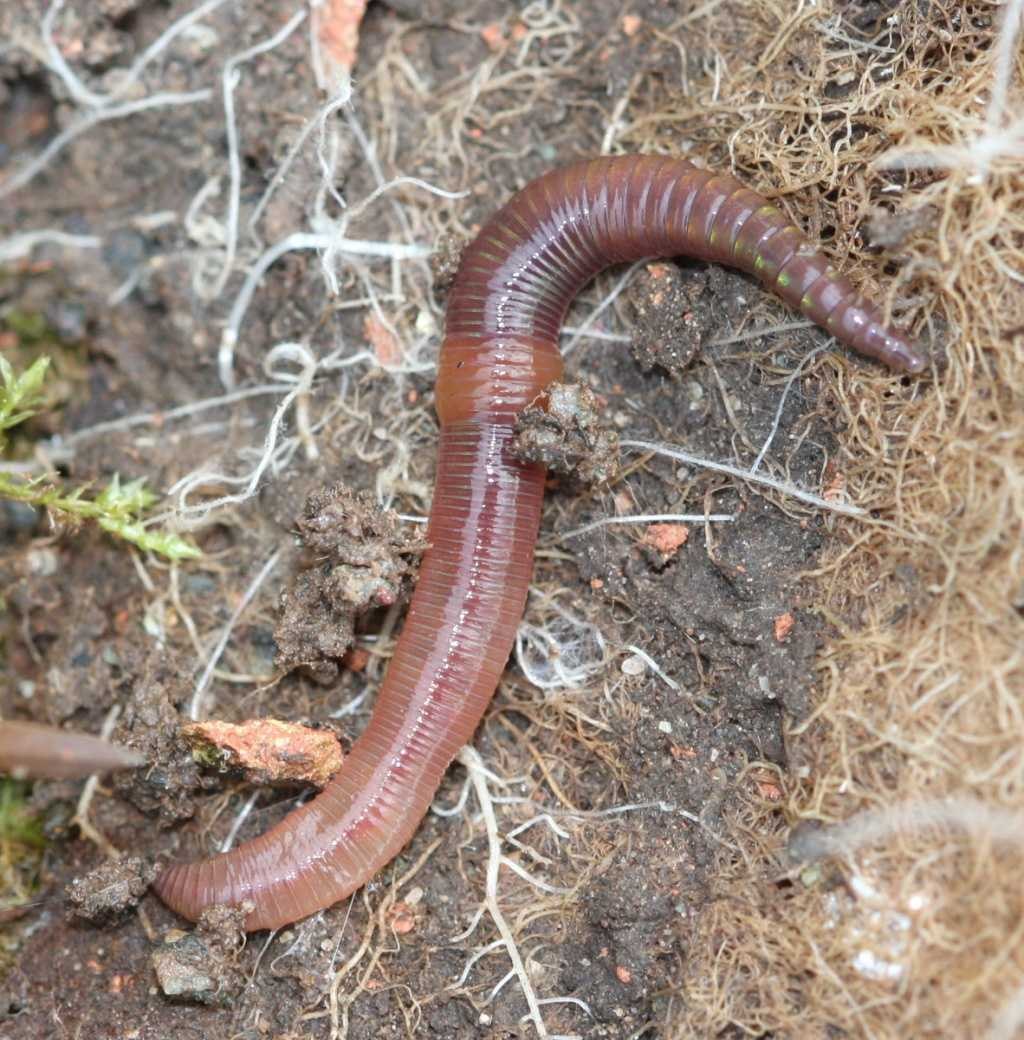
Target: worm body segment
column 514, row 284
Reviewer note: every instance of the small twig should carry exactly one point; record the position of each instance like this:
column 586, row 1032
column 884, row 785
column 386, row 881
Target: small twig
column 81, row 817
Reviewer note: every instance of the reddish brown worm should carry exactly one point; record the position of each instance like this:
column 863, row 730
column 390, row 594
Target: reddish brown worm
column 31, row 749
column 500, row 351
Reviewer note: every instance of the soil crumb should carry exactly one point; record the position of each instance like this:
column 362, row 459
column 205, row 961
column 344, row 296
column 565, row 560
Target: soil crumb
column 166, row 786
column 674, row 315
column 566, row 434
column 203, row 966
column 363, row 559
column 107, row 894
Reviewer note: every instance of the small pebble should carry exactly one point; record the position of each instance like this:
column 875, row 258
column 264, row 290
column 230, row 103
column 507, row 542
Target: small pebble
column 634, row 666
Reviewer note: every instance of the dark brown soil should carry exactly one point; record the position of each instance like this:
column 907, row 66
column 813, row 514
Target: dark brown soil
column 725, row 617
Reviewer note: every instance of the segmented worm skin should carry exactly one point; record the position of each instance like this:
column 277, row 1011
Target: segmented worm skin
column 35, row 750
column 500, row 350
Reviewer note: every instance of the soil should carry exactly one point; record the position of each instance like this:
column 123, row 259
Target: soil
column 725, row 614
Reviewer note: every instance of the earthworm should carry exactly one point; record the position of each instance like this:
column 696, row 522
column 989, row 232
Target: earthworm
column 500, row 350
column 32, row 749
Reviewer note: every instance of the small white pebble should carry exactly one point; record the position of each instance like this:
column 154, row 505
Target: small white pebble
column 665, row 726
column 42, row 562
column 634, row 665
column 27, row 688
column 426, row 325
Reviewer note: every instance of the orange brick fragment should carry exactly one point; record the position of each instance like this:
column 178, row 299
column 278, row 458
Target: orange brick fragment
column 623, row 974
column 493, row 36
column 338, row 31
column 666, row 538
column 356, row 659
column 631, row 24
column 783, row 625
column 385, row 346
column 401, row 918
column 267, row 750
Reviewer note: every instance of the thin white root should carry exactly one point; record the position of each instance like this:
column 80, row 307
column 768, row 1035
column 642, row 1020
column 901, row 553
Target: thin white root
column 87, row 121
column 650, row 518
column 793, row 376
column 654, row 666
column 292, row 243
column 229, row 80
column 478, row 776
column 18, row 246
column 196, row 706
column 81, row 93
column 609, row 299
column 236, row 824
column 735, row 471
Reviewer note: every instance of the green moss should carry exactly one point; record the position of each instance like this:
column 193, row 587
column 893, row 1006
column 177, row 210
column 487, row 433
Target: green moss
column 18, row 826
column 117, row 508
column 30, row 327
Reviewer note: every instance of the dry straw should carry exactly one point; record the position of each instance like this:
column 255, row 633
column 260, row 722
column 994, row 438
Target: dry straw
column 911, row 925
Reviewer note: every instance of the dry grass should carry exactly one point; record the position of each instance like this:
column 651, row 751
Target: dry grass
column 916, row 929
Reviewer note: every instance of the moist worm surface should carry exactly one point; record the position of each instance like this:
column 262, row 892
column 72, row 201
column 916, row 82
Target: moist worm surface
column 500, row 350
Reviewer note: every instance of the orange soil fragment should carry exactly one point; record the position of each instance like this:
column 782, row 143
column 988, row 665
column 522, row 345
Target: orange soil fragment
column 338, row 31
column 783, row 626
column 631, row 24
column 667, row 539
column 401, row 918
column 493, row 36
column 268, row 751
column 385, row 346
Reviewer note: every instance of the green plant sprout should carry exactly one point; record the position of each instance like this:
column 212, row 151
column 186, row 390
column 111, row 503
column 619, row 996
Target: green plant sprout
column 118, row 508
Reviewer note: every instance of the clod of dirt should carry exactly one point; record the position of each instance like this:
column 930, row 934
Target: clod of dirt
column 566, row 434
column 109, row 892
column 78, row 676
column 269, row 752
column 202, row 966
column 363, row 560
column 171, row 778
column 444, row 261
column 674, row 314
